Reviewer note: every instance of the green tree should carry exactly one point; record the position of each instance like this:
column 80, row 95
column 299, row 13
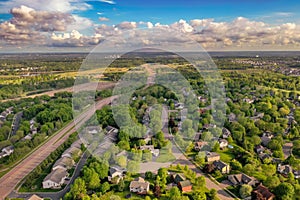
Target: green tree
column 272, row 182
column 245, row 191
column 78, row 189
column 284, row 191
column 104, row 187
column 199, row 195
column 121, row 185
column 175, row 193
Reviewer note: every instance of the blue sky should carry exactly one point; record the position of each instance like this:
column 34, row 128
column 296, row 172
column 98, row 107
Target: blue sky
column 216, row 24
column 166, row 11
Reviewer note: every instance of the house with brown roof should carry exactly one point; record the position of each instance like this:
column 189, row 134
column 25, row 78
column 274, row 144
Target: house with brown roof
column 35, row 197
column 185, row 186
column 225, row 133
column 211, row 157
column 262, row 193
column 241, row 179
column 199, row 145
column 139, row 186
column 55, row 179
column 259, row 149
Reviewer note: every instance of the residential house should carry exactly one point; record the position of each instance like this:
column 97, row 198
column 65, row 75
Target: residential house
column 231, row 117
column 35, row 197
column 185, row 186
column 297, row 173
column 199, row 145
column 7, row 151
column 202, row 99
column 259, row 149
column 257, row 116
column 55, row 179
column 71, row 152
column 264, row 156
column 110, row 129
column 207, row 126
column 63, row 163
column 286, row 169
column 178, row 177
column 225, row 133
column 241, row 179
column 211, row 157
column 223, row 143
column 224, row 168
column 139, row 186
column 266, row 138
column 262, row 193
column 93, row 130
column 155, row 152
column 116, row 173
column 28, row 137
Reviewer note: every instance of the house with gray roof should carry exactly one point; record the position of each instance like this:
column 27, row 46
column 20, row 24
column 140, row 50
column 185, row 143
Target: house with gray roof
column 55, row 179
column 139, row 186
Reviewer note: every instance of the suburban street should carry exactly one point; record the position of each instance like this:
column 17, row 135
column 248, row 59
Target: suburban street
column 222, row 194
column 55, row 195
column 10, row 180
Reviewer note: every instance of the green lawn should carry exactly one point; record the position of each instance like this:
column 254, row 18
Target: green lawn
column 226, row 155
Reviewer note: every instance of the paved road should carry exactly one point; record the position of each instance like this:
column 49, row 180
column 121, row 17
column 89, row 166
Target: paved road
column 222, row 194
column 81, row 87
column 10, row 180
column 183, row 160
column 60, row 194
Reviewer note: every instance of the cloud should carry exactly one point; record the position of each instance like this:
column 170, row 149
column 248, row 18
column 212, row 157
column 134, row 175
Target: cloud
column 100, row 13
column 59, row 29
column 103, row 19
column 108, row 1
column 80, row 23
column 50, row 5
column 73, row 39
column 29, row 25
column 127, row 25
column 283, row 14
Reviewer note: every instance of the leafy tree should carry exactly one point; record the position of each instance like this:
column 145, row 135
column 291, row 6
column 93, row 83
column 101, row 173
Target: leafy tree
column 272, row 182
column 133, row 166
column 101, row 168
column 245, row 191
column 122, row 161
column 121, row 185
column 284, row 191
column 149, row 175
column 78, row 189
column 199, row 195
column 104, row 187
column 175, row 194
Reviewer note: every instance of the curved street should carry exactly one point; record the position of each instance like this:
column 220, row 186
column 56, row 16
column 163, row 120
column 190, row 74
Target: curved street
column 11, row 179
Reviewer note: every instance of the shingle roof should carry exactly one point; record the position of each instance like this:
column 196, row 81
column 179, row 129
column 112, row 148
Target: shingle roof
column 139, row 183
column 56, row 175
column 185, row 183
column 263, row 191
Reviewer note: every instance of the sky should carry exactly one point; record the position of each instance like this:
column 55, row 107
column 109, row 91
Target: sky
column 80, row 25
